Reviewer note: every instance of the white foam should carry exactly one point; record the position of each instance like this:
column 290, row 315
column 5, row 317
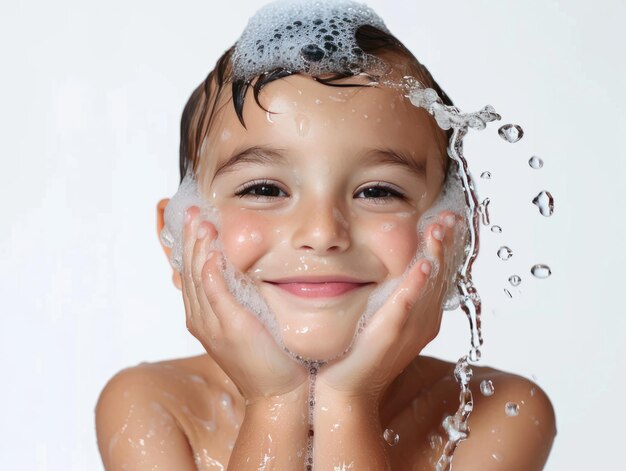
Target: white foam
column 186, row 197
column 316, row 37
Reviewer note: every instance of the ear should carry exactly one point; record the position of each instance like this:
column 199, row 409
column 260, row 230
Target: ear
column 168, row 252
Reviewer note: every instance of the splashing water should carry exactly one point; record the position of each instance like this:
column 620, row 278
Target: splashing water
column 496, row 229
column 505, row 253
column 535, row 162
column 511, row 132
column 541, row 271
column 483, row 209
column 545, row 202
column 449, row 117
column 486, row 175
column 391, row 437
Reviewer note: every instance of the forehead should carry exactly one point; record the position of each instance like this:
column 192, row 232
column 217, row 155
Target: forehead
column 304, row 114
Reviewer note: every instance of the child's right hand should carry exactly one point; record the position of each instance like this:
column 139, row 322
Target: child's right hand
column 233, row 336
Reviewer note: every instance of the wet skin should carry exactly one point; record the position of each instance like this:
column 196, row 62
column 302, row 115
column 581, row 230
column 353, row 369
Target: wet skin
column 318, row 218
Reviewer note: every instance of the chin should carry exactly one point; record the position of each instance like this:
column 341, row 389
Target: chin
column 318, row 340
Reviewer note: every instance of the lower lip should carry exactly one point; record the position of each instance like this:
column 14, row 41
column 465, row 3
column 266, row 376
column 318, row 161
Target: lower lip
column 318, row 290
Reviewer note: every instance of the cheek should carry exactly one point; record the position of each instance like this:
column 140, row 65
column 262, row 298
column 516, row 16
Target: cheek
column 245, row 237
column 394, row 242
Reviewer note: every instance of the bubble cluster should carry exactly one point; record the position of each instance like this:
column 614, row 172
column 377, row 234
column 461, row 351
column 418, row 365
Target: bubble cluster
column 313, row 37
column 172, row 233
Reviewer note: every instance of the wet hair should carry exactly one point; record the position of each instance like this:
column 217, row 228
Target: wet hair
column 201, row 106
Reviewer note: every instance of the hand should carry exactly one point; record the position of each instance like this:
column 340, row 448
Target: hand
column 233, row 336
column 400, row 329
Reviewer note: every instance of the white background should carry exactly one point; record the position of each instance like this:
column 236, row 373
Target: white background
column 91, row 97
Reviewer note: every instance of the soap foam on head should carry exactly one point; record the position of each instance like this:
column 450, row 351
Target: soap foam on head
column 316, row 37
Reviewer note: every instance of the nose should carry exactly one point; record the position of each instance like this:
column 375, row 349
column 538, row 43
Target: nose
column 321, row 227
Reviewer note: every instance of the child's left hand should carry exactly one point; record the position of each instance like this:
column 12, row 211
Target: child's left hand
column 399, row 330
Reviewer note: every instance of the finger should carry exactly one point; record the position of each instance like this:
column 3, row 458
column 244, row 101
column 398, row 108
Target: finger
column 230, row 313
column 392, row 316
column 206, row 234
column 189, row 236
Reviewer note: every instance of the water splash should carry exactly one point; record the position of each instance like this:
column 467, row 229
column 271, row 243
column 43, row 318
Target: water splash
column 541, row 271
column 449, row 117
column 511, row 132
column 496, row 229
column 486, row 175
column 505, row 253
column 391, row 437
column 545, row 202
column 535, row 162
column 483, row 210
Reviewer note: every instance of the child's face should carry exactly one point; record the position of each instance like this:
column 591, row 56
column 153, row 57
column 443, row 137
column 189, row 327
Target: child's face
column 323, row 211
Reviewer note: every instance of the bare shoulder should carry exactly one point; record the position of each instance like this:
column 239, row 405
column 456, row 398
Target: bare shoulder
column 511, row 429
column 137, row 422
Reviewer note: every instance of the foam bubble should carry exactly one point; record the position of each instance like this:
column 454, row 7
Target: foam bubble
column 301, row 35
column 186, row 197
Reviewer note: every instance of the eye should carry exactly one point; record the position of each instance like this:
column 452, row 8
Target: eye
column 261, row 190
column 379, row 192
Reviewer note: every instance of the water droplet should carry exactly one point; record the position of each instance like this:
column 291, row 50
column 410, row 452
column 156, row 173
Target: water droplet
column 475, row 354
column 508, row 293
column 486, row 175
column 391, row 437
column 435, row 440
column 511, row 409
column 511, row 132
column 463, row 372
column 541, row 271
column 496, row 229
column 505, row 253
column 486, row 387
column 515, row 280
column 545, row 202
column 535, row 162
column 483, row 210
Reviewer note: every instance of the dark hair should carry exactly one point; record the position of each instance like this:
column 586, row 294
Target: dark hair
column 200, row 108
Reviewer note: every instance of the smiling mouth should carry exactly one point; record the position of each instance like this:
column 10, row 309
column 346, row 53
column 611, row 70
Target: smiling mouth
column 306, row 288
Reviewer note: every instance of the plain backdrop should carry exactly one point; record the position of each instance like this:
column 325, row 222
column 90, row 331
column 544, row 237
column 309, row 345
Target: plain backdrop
column 90, row 102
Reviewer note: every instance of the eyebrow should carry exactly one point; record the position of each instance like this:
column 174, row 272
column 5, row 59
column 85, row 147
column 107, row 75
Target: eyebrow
column 269, row 155
column 252, row 155
column 394, row 157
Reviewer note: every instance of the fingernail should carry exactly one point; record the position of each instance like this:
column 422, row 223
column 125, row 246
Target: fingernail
column 449, row 220
column 426, row 267
column 202, row 232
column 438, row 233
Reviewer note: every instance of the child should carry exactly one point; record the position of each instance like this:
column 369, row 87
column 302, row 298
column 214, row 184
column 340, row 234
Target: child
column 305, row 289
